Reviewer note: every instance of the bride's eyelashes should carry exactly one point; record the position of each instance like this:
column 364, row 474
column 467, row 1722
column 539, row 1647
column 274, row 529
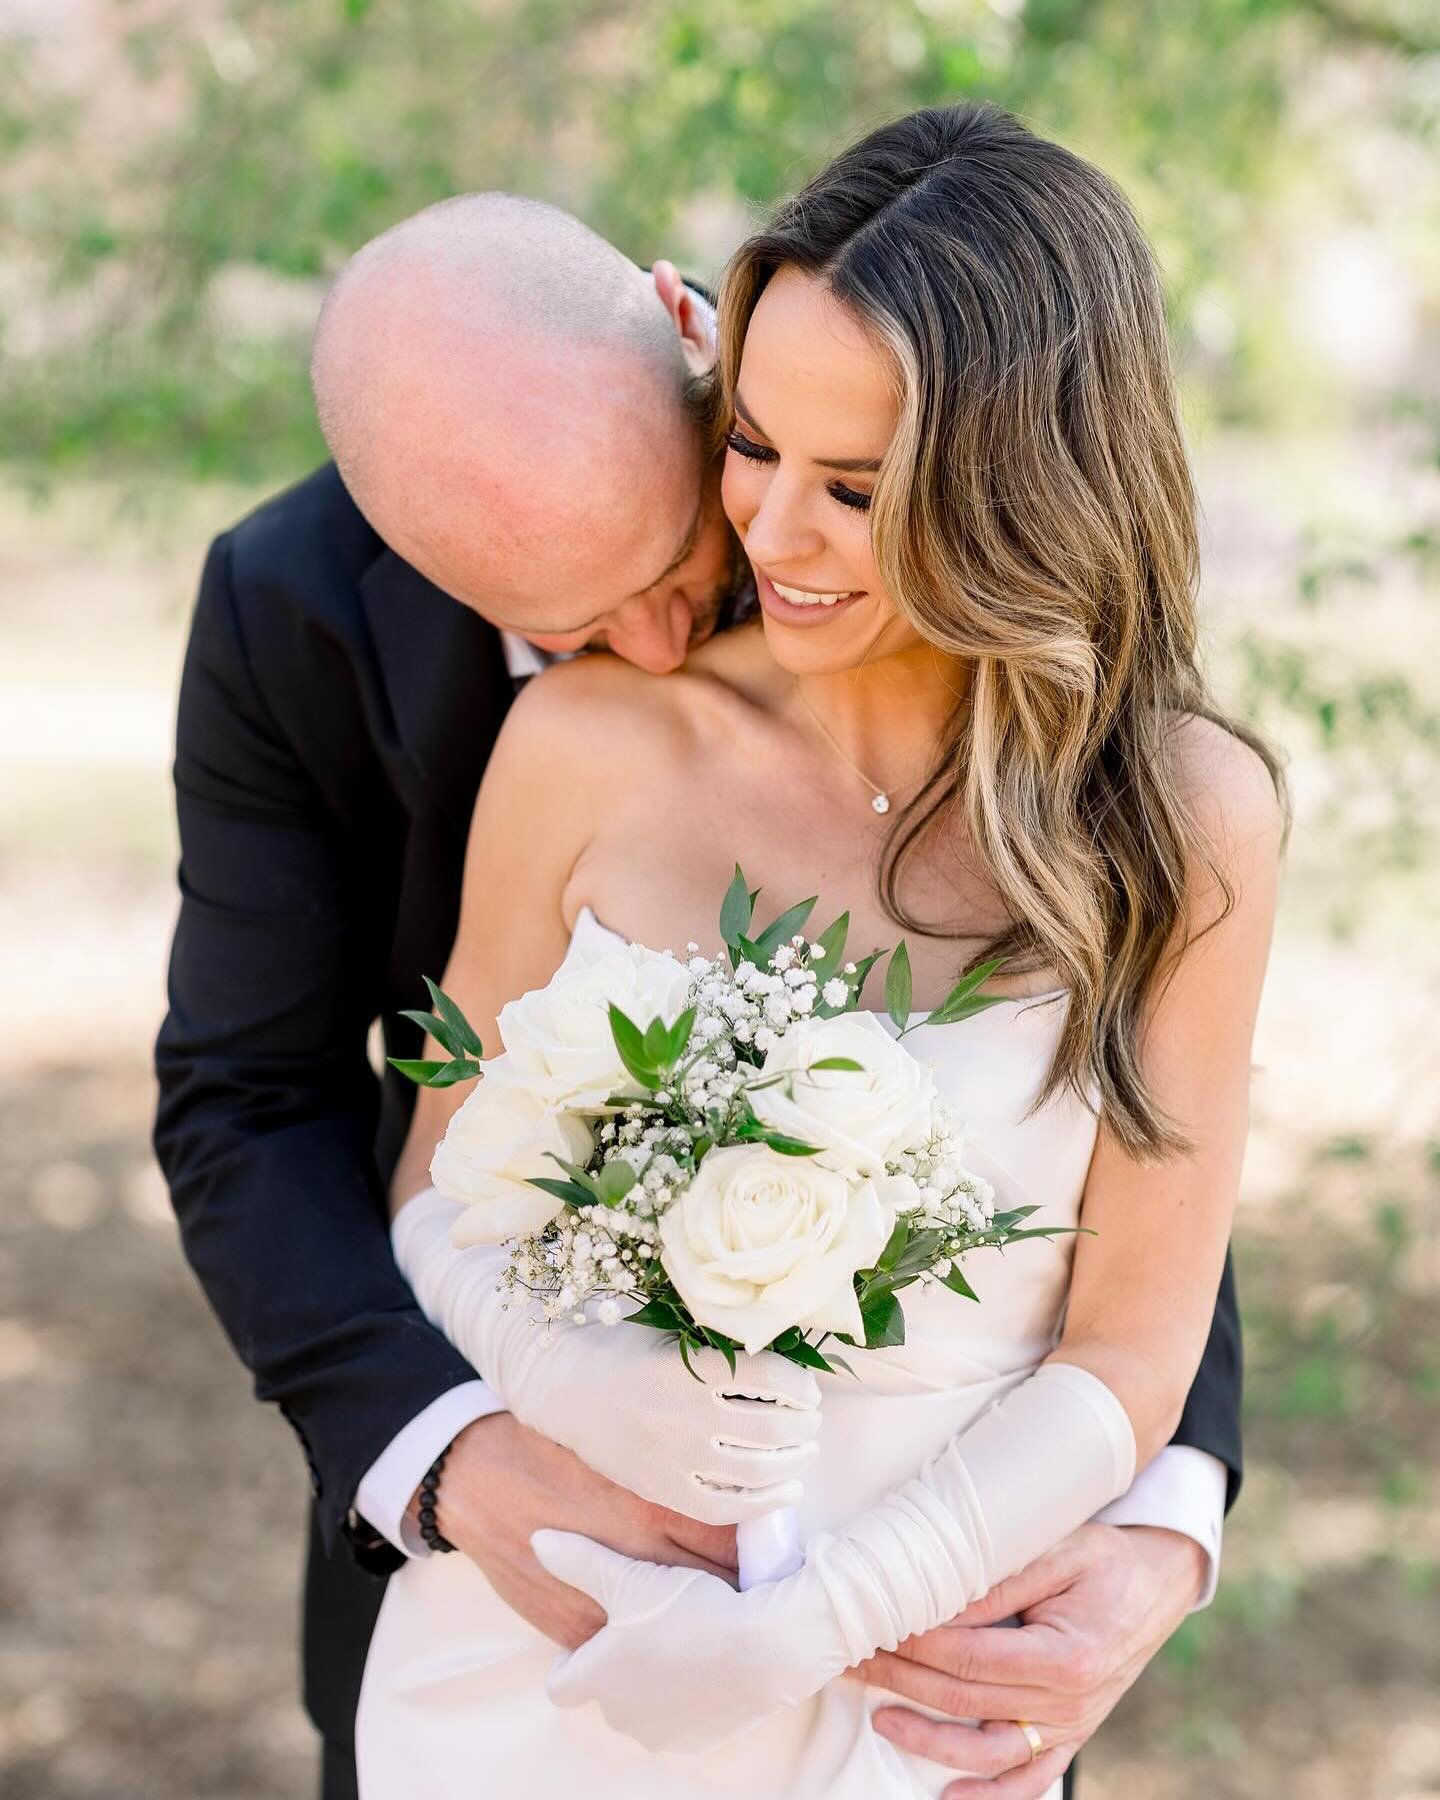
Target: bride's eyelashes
column 760, row 453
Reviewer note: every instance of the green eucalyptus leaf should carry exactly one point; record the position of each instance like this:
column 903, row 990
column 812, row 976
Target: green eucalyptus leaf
column 898, row 986
column 846, row 1063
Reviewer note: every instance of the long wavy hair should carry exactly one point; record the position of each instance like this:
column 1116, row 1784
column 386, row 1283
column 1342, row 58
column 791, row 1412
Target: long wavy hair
column 1034, row 514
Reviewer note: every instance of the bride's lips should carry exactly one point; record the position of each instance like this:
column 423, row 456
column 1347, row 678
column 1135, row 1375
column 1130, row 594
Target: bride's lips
column 786, row 612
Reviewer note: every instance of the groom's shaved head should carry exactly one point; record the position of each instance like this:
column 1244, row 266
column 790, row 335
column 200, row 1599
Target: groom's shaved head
column 507, row 400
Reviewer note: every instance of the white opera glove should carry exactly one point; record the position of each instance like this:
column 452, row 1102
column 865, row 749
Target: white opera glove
column 720, row 1449
column 685, row 1662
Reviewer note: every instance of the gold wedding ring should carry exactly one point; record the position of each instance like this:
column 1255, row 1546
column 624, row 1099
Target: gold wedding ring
column 1032, row 1738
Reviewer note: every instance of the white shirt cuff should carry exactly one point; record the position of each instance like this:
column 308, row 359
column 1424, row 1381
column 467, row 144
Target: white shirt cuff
column 1183, row 1490
column 389, row 1484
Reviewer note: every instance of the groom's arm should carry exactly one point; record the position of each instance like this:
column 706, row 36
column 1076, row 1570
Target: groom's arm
column 267, row 1102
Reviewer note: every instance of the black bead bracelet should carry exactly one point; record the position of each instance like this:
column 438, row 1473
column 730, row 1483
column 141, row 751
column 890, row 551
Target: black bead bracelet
column 429, row 1490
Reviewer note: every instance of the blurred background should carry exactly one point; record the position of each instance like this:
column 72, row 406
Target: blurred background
column 176, row 183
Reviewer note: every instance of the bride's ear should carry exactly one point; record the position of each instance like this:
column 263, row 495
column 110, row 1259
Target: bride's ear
column 690, row 316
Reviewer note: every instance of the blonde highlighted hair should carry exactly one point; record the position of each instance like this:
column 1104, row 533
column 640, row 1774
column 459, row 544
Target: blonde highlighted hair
column 1034, row 515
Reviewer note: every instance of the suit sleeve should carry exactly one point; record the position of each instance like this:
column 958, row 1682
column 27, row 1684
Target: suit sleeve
column 1211, row 1419
column 267, row 1102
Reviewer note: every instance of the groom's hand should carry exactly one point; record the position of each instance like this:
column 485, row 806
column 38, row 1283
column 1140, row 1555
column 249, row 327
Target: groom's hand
column 503, row 1481
column 1093, row 1612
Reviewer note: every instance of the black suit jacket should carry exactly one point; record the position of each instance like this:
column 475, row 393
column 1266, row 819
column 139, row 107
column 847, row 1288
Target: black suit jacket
column 336, row 714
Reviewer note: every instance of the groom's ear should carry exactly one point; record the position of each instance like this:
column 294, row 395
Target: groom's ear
column 691, row 317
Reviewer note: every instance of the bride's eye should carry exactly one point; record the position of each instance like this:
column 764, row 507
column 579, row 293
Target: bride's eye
column 747, row 447
column 848, row 497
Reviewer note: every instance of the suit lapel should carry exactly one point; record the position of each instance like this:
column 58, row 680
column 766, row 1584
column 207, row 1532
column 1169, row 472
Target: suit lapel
column 441, row 681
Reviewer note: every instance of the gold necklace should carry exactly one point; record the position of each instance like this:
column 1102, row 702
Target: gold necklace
column 881, row 802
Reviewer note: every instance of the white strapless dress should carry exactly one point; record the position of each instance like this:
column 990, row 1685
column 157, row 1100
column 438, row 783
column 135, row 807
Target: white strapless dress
column 453, row 1703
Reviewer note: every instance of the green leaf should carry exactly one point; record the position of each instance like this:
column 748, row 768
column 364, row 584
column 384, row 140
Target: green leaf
column 615, row 1181
column 805, row 1354
column 680, row 1035
column 957, row 1283
column 725, row 1345
column 781, row 930
column 466, row 1033
column 630, row 1042
column 894, row 1245
column 436, row 1027
column 965, row 999
column 832, row 950
column 736, row 909
column 862, row 970
column 457, row 1069
column 846, row 1063
column 661, row 1314
column 422, row 1072
column 569, row 1191
column 746, row 950
column 898, row 986
column 785, row 1146
column 657, row 1044
column 884, row 1322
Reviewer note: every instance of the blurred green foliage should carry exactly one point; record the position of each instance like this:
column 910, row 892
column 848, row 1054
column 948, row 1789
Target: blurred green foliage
column 277, row 135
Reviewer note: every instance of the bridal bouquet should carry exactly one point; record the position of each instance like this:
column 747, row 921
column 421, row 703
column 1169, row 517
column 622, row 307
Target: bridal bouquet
column 724, row 1148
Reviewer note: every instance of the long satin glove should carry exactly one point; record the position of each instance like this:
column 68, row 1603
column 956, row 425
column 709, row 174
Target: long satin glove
column 720, row 1449
column 685, row 1662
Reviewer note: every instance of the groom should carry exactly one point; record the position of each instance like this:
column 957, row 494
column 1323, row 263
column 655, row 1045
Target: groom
column 514, row 412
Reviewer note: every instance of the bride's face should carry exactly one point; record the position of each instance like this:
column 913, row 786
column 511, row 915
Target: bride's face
column 815, row 408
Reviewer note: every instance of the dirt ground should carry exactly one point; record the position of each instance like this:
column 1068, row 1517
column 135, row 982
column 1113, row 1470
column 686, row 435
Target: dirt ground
column 148, row 1600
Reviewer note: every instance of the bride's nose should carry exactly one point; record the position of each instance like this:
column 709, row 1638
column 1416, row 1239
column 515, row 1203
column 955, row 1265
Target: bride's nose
column 653, row 633
column 780, row 533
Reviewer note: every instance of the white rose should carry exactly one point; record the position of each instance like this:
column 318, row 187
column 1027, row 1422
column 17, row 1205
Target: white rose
column 499, row 1138
column 759, row 1242
column 858, row 1120
column 558, row 1037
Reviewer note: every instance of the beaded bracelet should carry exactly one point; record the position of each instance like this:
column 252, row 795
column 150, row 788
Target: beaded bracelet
column 429, row 1491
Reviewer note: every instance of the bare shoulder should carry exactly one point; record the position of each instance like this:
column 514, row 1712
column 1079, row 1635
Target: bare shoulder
column 1240, row 815
column 599, row 701
column 1233, row 796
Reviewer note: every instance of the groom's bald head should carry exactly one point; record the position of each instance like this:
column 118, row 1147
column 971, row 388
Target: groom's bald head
column 510, row 403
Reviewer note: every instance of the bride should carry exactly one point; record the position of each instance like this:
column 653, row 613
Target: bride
column 969, row 710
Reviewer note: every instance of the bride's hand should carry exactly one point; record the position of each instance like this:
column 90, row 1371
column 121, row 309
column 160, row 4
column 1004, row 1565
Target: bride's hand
column 684, row 1661
column 721, row 1448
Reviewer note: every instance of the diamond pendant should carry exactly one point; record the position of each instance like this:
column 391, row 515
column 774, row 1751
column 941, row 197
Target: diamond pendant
column 881, row 803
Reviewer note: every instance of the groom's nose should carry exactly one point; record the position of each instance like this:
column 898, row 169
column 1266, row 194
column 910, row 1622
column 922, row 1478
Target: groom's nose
column 653, row 632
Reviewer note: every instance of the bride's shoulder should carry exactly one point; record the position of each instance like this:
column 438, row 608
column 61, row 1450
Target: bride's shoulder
column 600, row 698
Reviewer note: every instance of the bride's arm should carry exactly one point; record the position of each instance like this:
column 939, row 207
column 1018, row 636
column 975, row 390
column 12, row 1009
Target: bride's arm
column 684, row 1662
column 719, row 1449
column 1142, row 1291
